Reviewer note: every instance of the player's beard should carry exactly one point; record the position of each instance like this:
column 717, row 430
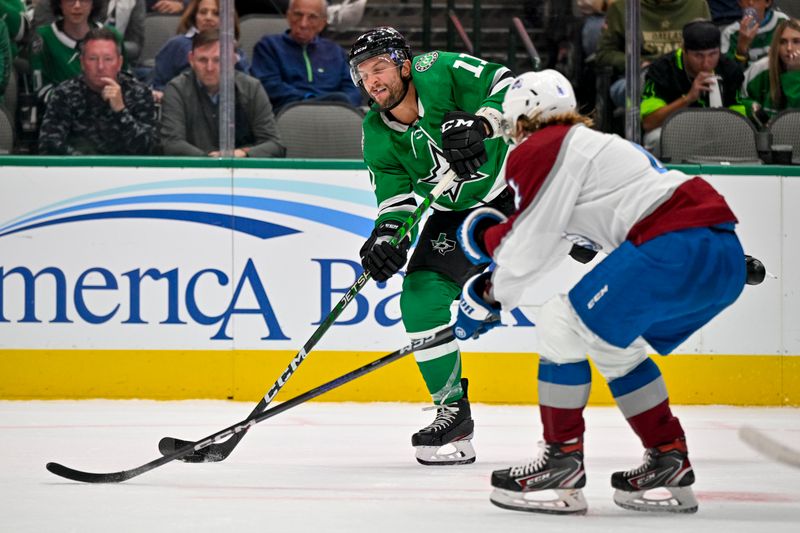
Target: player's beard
column 397, row 92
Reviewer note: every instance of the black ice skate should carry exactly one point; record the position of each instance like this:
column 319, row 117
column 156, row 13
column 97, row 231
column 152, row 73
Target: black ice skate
column 559, row 470
column 664, row 467
column 446, row 441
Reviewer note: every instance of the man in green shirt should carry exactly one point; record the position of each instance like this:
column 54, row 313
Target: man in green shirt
column 432, row 112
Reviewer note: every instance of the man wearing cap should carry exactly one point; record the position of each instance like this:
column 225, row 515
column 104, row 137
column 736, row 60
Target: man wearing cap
column 684, row 78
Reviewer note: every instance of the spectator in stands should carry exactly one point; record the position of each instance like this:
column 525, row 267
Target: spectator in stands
column 723, row 12
column 190, row 112
column 13, row 14
column 685, row 77
column 54, row 49
column 166, row 7
column 102, row 111
column 772, row 83
column 127, row 16
column 594, row 13
column 172, row 59
column 301, row 65
column 749, row 39
column 660, row 23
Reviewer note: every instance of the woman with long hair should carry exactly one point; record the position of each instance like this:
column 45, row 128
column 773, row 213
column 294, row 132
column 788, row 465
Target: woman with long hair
column 772, row 83
column 173, row 58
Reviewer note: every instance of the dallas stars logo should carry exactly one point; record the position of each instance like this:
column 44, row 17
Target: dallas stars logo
column 440, row 167
column 443, row 244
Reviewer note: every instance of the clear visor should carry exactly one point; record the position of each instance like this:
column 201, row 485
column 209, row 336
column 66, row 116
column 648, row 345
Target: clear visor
column 362, row 70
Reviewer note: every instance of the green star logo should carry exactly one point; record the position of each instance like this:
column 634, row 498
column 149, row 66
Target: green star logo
column 443, row 245
column 426, row 61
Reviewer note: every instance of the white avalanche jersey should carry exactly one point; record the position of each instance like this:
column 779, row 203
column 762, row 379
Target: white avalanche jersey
column 575, row 185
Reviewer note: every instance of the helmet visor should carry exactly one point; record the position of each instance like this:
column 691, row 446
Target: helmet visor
column 365, row 66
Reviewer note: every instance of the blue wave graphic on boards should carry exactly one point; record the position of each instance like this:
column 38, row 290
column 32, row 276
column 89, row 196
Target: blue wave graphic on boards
column 358, row 225
column 250, row 226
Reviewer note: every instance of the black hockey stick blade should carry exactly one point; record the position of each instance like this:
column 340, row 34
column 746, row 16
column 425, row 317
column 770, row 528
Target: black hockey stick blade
column 219, row 451
column 239, row 428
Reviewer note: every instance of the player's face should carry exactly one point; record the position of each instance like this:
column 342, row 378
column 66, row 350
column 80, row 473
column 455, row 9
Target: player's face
column 698, row 61
column 789, row 48
column 382, row 80
column 100, row 59
column 207, row 16
column 205, row 64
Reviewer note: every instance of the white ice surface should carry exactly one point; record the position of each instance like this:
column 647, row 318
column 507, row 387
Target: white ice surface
column 350, row 467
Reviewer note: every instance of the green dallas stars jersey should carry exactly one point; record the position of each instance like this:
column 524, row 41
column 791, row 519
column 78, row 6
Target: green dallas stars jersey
column 404, row 160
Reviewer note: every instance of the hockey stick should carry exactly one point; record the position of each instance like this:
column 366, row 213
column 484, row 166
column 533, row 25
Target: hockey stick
column 769, row 447
column 219, row 451
column 442, row 337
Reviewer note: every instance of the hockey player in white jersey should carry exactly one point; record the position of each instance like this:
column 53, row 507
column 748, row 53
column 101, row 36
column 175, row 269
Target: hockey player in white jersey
column 674, row 262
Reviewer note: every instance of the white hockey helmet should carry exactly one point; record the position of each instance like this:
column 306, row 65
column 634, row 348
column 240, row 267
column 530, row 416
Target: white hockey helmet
column 536, row 95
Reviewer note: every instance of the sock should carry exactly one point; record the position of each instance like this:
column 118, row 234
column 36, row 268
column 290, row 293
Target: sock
column 563, row 393
column 641, row 395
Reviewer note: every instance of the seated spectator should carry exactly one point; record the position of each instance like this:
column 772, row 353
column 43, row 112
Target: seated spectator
column 301, row 65
column 127, row 16
column 54, row 49
column 748, row 39
column 172, row 59
column 660, row 23
column 102, row 111
column 13, row 14
column 190, row 108
column 772, row 83
column 594, row 13
column 166, row 7
column 684, row 78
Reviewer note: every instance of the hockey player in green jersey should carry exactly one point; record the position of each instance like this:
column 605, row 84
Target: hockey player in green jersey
column 430, row 113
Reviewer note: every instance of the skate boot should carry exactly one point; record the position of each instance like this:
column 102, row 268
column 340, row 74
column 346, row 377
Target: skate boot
column 446, row 441
column 664, row 467
column 559, row 470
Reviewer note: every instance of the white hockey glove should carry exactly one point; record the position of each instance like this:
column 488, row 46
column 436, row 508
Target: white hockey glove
column 476, row 316
column 470, row 233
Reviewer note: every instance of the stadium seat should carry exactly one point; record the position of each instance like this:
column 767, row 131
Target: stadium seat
column 790, row 7
column 321, row 130
column 253, row 27
column 785, row 129
column 6, row 132
column 158, row 29
column 702, row 135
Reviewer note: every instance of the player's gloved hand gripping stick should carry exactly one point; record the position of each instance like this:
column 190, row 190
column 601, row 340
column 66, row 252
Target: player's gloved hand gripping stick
column 219, row 451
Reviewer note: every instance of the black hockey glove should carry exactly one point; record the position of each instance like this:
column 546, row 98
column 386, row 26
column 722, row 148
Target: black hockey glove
column 379, row 257
column 462, row 142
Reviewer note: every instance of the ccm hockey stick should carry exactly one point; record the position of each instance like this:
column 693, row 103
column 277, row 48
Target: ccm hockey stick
column 769, row 447
column 442, row 337
column 220, row 450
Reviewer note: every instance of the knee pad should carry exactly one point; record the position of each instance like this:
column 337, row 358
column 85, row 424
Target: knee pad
column 565, row 338
column 558, row 328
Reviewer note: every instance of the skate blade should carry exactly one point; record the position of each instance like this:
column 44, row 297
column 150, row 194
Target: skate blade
column 459, row 452
column 566, row 501
column 679, row 500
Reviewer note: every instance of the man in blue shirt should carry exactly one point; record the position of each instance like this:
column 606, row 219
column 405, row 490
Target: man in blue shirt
column 301, row 65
